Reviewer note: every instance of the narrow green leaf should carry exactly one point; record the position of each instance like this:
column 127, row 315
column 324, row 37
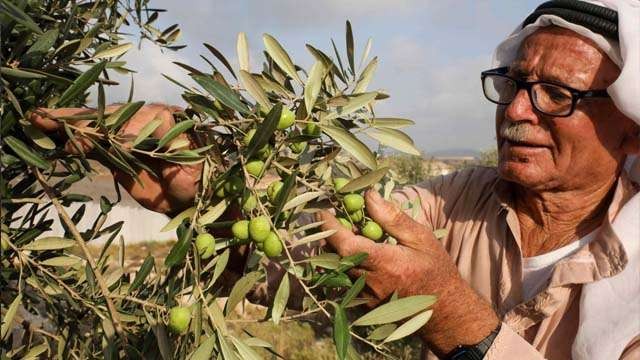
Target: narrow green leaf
column 221, row 92
column 143, row 272
column 176, row 130
column 147, row 130
column 113, row 51
column 301, row 199
column 257, row 342
column 366, row 76
column 327, row 260
column 349, row 42
column 81, row 84
column 391, row 123
column 62, row 261
column 395, row 139
column 242, row 49
column 313, row 85
column 281, row 299
column 246, row 352
column 327, row 62
column 240, row 290
column 353, row 104
column 280, row 56
column 123, row 114
column 354, row 290
column 288, row 185
column 365, row 53
column 7, row 318
column 412, row 325
column 382, row 332
column 213, row 213
column 335, row 51
column 49, row 243
column 364, row 181
column 221, row 58
column 38, row 137
column 205, row 350
column 179, row 250
column 35, row 351
column 396, row 310
column 225, row 349
column 255, row 90
column 44, row 42
column 26, row 154
column 352, row 145
column 264, row 131
column 18, row 15
column 178, row 219
column 315, row 237
column 341, row 335
column 20, row 73
column 221, row 264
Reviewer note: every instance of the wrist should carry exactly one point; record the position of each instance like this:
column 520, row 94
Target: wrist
column 460, row 317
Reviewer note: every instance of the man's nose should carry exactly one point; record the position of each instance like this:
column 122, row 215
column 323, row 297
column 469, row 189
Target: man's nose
column 521, row 108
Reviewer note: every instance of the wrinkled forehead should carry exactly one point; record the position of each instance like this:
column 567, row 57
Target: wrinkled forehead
column 557, row 54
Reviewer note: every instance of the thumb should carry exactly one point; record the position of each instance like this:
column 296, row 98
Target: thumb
column 397, row 223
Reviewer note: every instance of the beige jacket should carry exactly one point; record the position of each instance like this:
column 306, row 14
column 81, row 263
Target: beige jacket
column 483, row 239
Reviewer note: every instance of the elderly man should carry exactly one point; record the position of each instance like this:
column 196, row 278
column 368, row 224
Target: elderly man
column 541, row 255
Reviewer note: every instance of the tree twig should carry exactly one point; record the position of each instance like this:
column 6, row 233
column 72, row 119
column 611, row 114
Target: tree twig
column 85, row 250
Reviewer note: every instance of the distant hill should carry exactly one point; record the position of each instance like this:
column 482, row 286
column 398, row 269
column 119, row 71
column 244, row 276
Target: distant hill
column 454, row 152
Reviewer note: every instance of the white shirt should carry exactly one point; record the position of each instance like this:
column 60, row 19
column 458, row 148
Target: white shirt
column 536, row 270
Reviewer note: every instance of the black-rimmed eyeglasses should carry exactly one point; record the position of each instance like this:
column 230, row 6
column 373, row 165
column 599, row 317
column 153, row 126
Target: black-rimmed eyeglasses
column 546, row 97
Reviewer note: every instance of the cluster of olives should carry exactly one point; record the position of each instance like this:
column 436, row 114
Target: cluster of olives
column 257, row 229
column 354, row 206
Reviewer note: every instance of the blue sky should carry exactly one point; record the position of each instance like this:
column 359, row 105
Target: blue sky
column 430, row 53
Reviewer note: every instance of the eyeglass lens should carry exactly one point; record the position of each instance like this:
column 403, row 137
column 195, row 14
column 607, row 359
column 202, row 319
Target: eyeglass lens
column 547, row 98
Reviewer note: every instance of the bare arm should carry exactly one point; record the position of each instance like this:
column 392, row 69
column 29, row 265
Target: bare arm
column 176, row 187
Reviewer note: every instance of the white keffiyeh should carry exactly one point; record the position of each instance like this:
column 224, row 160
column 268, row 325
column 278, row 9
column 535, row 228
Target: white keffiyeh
column 609, row 308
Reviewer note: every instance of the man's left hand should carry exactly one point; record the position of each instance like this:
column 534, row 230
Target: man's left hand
column 417, row 265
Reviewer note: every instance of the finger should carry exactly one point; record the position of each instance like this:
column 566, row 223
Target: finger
column 397, row 223
column 43, row 118
column 144, row 116
column 343, row 240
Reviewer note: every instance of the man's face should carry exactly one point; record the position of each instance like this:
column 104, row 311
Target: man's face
column 543, row 152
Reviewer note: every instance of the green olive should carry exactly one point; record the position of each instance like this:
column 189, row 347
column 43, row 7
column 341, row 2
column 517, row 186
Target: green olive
column 346, row 223
column 259, row 228
column 273, row 191
column 272, row 245
column 353, row 202
column 240, row 230
column 179, row 319
column 339, row 183
column 356, row 216
column 249, row 202
column 372, row 230
column 206, row 245
column 255, row 167
column 312, row 129
column 287, row 118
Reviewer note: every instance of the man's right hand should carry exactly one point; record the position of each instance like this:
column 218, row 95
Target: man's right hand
column 177, row 185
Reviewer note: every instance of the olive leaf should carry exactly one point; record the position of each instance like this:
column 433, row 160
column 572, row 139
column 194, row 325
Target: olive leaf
column 396, row 310
column 280, row 56
column 351, row 144
column 81, row 84
column 280, row 300
column 242, row 49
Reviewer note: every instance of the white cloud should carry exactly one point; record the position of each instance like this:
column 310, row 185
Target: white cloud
column 149, row 85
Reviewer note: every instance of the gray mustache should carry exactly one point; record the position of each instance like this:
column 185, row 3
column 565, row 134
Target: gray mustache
column 518, row 131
